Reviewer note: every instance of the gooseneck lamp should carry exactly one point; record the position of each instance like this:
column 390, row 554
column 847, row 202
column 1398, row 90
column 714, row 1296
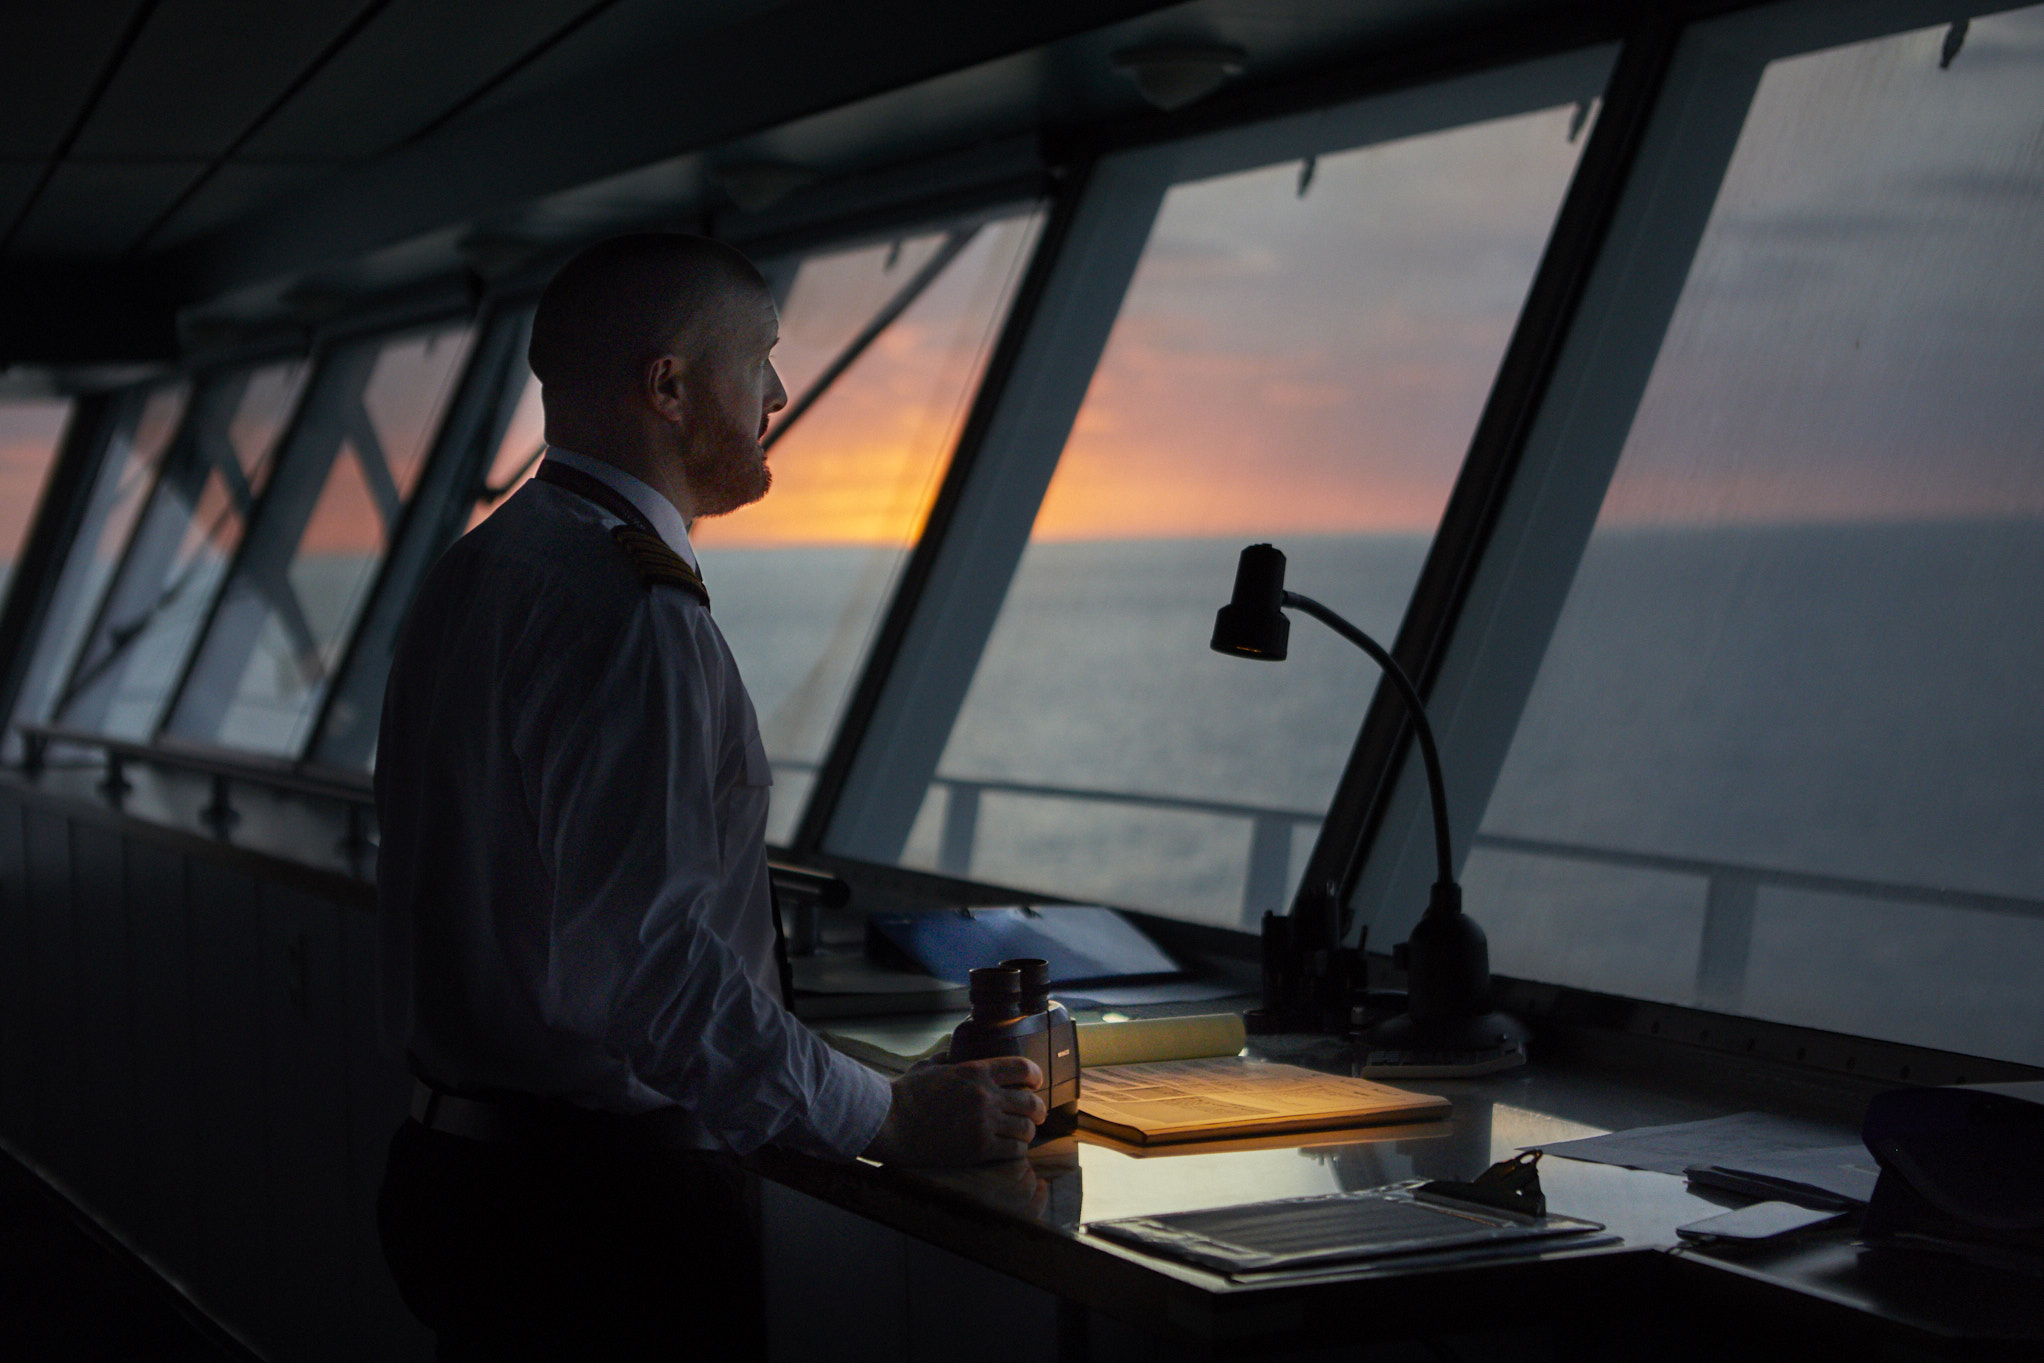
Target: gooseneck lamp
column 1447, row 1024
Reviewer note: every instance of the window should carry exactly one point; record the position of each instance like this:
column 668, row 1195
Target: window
column 301, row 581
column 213, row 472
column 29, row 433
column 1782, row 754
column 518, row 453
column 881, row 350
column 128, row 466
column 1301, row 357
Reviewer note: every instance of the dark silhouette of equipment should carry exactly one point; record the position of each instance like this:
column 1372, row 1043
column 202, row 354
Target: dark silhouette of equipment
column 1311, row 981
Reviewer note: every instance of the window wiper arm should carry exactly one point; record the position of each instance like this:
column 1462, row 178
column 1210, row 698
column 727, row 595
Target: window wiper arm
column 957, row 240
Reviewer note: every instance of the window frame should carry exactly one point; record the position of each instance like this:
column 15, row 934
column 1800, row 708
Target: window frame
column 274, row 528
column 203, row 405
column 876, row 777
column 457, row 462
column 54, row 526
column 1495, row 577
column 1504, row 594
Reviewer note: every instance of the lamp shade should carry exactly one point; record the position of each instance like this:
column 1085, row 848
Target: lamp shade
column 1253, row 623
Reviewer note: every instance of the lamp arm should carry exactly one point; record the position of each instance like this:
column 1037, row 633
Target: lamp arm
column 1429, row 754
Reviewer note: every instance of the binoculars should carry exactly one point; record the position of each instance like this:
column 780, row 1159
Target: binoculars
column 1014, row 1014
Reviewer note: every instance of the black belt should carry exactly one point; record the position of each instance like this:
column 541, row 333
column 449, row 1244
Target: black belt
column 548, row 1124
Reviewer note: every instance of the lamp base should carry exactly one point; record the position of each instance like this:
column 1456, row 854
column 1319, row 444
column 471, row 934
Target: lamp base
column 1404, row 1047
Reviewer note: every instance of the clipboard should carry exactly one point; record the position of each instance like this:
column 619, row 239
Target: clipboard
column 1390, row 1223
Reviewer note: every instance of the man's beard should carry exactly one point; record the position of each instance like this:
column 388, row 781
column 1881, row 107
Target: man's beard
column 723, row 485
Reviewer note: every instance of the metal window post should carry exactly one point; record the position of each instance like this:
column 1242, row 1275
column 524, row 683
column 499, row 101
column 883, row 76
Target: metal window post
column 136, row 585
column 258, row 581
column 1495, row 586
column 441, row 501
column 62, row 511
column 878, row 771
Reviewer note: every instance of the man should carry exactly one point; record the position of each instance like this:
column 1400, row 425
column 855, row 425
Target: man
column 578, row 953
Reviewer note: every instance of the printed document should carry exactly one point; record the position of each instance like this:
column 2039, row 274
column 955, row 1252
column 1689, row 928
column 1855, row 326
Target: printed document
column 1185, row 1100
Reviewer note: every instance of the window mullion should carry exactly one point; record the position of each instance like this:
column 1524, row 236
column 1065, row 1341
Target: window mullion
column 887, row 748
column 1478, row 662
column 137, row 580
column 81, row 449
column 234, row 624
column 457, row 464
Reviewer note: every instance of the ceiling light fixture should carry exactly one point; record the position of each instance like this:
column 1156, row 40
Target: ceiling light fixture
column 1171, row 76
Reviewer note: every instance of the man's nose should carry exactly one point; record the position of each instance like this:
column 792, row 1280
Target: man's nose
column 777, row 392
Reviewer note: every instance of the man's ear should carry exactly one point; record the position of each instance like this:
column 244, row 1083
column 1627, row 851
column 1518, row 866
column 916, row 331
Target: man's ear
column 665, row 388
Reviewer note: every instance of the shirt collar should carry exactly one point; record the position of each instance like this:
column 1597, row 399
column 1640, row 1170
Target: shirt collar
column 666, row 519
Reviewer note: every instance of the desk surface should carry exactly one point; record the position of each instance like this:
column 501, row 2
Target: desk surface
column 1029, row 1219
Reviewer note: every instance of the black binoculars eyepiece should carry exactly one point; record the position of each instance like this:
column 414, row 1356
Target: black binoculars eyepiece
column 996, row 993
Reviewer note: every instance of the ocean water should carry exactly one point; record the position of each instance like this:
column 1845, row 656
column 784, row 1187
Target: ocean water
column 1857, row 701
column 1851, row 701
column 1097, row 676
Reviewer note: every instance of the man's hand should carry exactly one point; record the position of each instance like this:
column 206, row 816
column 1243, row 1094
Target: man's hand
column 968, row 1113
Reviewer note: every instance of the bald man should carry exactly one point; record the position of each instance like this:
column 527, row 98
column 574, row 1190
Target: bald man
column 578, row 951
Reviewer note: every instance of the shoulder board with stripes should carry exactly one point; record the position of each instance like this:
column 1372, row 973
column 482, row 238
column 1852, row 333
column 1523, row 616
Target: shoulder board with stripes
column 655, row 563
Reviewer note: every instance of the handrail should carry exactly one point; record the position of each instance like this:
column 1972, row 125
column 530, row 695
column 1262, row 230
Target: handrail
column 354, row 789
column 1780, row 878
column 1183, row 803
column 1978, row 900
column 281, row 774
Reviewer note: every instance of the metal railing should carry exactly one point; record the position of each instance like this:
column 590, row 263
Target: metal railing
column 1265, row 882
column 1731, row 889
column 1731, row 896
column 224, row 769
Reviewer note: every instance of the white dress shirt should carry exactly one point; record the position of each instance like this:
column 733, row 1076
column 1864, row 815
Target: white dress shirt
column 572, row 881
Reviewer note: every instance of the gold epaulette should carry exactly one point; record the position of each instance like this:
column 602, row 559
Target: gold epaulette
column 655, row 563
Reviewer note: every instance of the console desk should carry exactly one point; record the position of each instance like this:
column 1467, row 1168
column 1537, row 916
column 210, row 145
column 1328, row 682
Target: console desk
column 874, row 1262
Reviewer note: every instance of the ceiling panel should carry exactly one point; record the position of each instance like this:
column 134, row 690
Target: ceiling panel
column 17, row 182
column 413, row 63
column 665, row 101
column 97, row 209
column 233, row 189
column 202, row 71
column 50, row 56
column 624, row 30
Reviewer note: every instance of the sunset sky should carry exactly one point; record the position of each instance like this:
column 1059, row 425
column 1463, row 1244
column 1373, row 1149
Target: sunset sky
column 1259, row 379
column 1869, row 291
column 863, row 464
column 1862, row 334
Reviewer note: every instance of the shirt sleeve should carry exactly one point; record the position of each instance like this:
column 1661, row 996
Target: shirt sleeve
column 624, row 754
